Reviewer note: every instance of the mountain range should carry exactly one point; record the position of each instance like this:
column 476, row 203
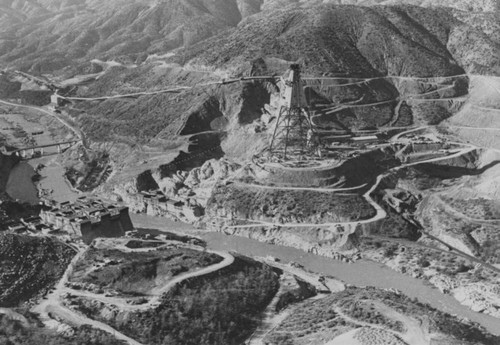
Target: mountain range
column 47, row 36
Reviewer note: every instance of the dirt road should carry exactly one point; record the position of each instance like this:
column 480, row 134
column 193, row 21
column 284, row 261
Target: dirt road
column 158, row 292
column 52, row 306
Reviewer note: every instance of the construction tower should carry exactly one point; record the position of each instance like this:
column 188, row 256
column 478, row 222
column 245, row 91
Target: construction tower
column 293, row 133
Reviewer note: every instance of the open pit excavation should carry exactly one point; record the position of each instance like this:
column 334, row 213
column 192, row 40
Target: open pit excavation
column 303, row 164
column 299, row 162
column 314, row 189
column 273, row 172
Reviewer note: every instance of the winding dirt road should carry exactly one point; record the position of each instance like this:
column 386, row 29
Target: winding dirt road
column 380, row 212
column 52, row 307
column 75, row 131
column 157, row 293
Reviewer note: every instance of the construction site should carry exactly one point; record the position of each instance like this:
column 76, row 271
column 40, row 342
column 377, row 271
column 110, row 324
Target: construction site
column 320, row 186
column 309, row 149
column 87, row 219
column 332, row 176
column 316, row 186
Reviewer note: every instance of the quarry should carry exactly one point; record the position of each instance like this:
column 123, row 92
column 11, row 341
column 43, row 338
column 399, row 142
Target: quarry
column 249, row 172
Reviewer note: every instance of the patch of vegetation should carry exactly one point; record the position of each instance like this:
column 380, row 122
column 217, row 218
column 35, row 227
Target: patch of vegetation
column 395, row 225
column 290, row 205
column 137, row 273
column 8, row 88
column 479, row 208
column 313, row 321
column 438, row 320
column 365, row 312
column 303, row 291
column 310, row 322
column 482, row 238
column 29, row 266
column 90, row 172
column 13, row 332
column 35, row 97
column 11, row 212
column 219, row 308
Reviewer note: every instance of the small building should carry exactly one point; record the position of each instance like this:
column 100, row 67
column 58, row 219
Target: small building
column 56, row 100
column 364, row 139
column 18, row 227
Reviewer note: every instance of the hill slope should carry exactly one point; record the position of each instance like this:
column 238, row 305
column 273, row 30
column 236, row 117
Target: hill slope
column 49, row 35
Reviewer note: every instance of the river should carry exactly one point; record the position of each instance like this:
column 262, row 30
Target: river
column 361, row 273
column 21, row 187
column 52, row 179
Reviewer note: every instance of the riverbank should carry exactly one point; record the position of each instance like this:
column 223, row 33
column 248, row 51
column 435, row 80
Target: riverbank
column 20, row 185
column 360, row 273
column 51, row 182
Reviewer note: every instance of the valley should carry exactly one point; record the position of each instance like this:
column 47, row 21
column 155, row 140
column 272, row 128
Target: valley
column 257, row 172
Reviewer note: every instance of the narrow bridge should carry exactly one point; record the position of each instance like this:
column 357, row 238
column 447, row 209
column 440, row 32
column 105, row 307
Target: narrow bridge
column 29, row 152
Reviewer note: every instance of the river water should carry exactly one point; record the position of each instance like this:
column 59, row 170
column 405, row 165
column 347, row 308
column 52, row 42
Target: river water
column 52, row 178
column 361, row 273
column 21, row 187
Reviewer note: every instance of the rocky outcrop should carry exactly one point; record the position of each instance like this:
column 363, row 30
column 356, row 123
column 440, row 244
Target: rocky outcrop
column 480, row 297
column 470, row 285
column 202, row 180
column 193, row 188
column 320, row 241
column 292, row 290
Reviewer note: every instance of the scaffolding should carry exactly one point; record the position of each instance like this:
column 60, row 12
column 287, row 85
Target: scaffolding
column 293, row 134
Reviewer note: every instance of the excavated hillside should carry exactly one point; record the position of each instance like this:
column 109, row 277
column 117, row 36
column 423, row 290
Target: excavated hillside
column 416, row 66
column 160, row 45
column 337, row 40
column 326, row 39
column 159, row 50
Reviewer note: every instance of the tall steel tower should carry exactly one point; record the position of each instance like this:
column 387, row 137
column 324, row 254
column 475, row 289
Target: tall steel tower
column 291, row 138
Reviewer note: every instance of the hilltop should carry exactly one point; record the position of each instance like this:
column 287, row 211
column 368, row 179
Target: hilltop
column 43, row 36
column 125, row 30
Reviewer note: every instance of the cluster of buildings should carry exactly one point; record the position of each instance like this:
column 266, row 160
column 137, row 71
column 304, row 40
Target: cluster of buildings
column 85, row 218
column 34, row 223
column 88, row 218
